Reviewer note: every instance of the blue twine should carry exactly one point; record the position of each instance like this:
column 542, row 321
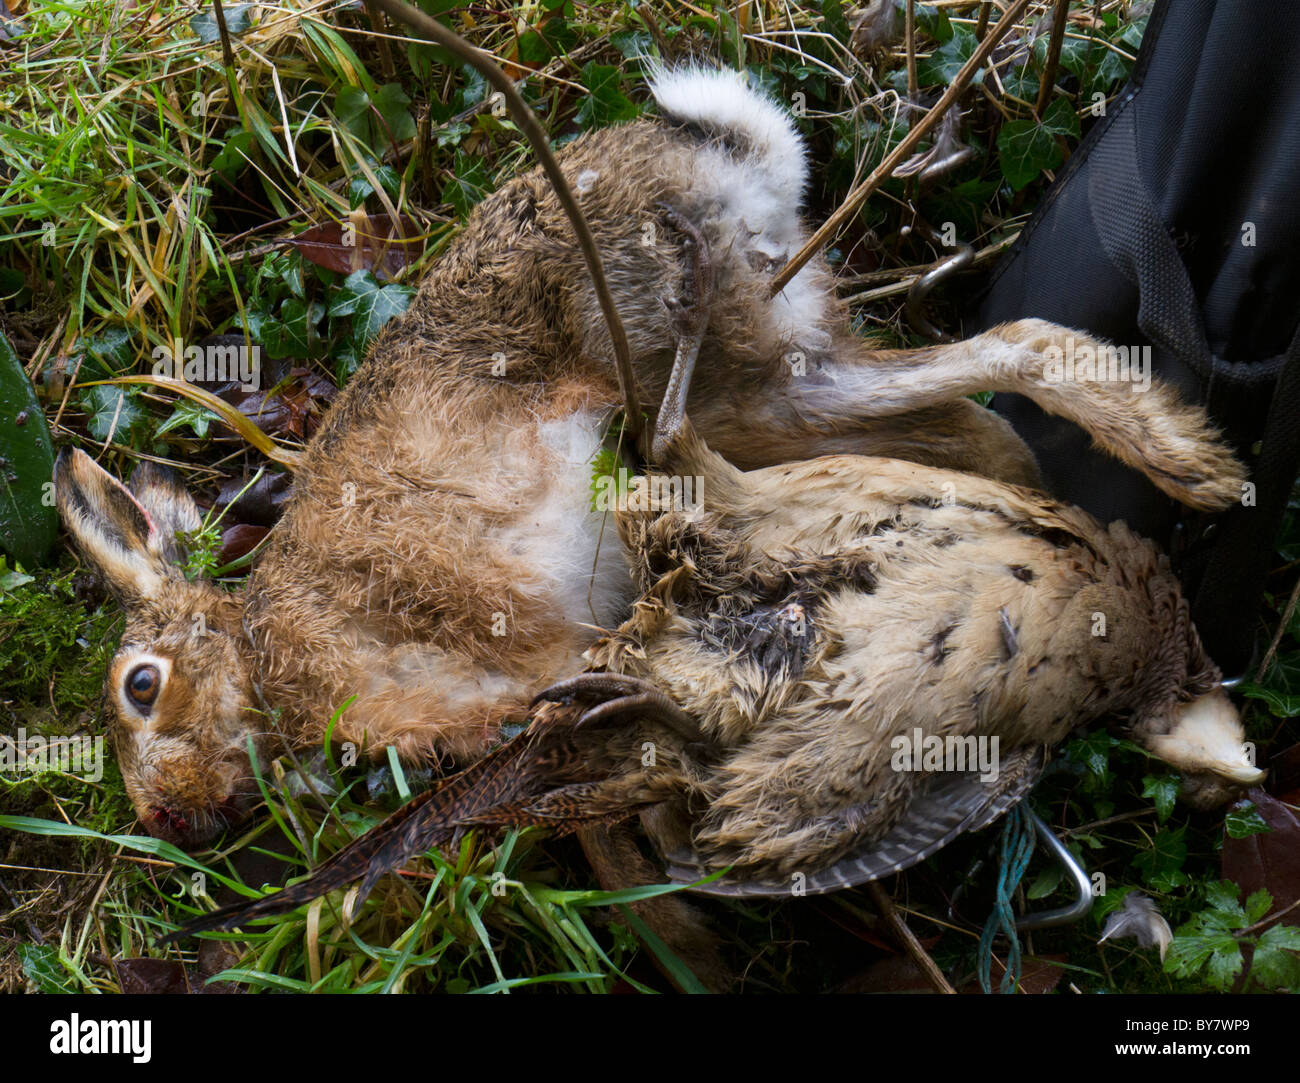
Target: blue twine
column 1017, row 848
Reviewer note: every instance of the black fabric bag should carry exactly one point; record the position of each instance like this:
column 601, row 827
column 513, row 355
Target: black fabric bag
column 1176, row 225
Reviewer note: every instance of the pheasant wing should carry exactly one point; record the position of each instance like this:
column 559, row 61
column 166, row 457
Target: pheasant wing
column 949, row 807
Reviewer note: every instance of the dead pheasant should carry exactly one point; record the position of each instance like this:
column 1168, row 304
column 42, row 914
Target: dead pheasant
column 796, row 631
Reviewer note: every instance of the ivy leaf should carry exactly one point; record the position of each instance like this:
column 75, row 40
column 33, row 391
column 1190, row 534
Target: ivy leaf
column 1161, row 866
column 391, row 102
column 1244, row 820
column 293, row 333
column 238, row 19
column 1025, row 149
column 605, row 102
column 107, row 355
column 1280, row 704
column 468, row 185
column 935, row 22
column 188, row 413
column 232, row 158
column 1131, row 36
column 369, row 304
column 1046, row 882
column 1021, row 83
column 1164, row 791
column 350, row 106
column 379, row 120
column 633, row 44
column 554, row 37
column 942, row 65
column 114, row 412
column 1093, row 751
column 833, row 20
column 450, row 135
column 1059, row 118
column 1112, row 69
column 1076, row 55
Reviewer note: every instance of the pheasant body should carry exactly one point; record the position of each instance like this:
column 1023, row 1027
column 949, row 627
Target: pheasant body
column 812, row 615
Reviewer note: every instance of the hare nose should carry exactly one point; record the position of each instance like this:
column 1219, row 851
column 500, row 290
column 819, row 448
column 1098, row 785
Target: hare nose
column 170, row 821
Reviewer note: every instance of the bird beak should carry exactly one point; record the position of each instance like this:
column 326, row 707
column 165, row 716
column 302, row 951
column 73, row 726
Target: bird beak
column 1207, row 736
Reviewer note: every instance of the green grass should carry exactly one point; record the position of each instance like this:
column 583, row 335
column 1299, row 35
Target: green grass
column 145, row 190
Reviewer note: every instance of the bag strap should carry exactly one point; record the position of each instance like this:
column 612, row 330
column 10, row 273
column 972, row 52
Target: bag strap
column 1236, row 571
column 1136, row 241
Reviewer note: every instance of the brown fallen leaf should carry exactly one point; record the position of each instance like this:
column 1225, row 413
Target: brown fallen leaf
column 238, row 540
column 148, row 976
column 1270, row 861
column 171, row 976
column 364, row 242
column 292, row 407
column 260, row 503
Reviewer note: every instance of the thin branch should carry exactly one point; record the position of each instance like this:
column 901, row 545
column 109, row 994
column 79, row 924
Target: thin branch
column 528, row 124
column 911, row 51
column 907, row 939
column 1053, row 57
column 228, row 54
column 853, row 202
column 1265, row 922
column 1281, row 629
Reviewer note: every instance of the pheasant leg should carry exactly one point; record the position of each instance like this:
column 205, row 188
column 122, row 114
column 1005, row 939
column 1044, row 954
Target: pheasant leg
column 689, row 319
column 622, row 696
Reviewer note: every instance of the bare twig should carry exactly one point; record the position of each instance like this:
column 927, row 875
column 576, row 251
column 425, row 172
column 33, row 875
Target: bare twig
column 1266, row 921
column 907, row 939
column 528, row 124
column 227, row 53
column 854, row 200
column 1053, row 57
column 1281, row 629
column 982, row 24
column 911, row 51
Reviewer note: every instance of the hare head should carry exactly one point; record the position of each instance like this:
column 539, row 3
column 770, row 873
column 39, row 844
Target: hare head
column 180, row 685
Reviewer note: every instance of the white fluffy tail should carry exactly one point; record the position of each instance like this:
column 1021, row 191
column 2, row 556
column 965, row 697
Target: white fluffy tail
column 723, row 104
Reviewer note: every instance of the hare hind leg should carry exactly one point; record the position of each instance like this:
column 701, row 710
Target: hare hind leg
column 1139, row 421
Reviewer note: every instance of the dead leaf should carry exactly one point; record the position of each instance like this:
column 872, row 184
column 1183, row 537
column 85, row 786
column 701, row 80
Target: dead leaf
column 150, row 976
column 292, row 407
column 260, row 503
column 1270, row 861
column 364, row 242
column 239, row 540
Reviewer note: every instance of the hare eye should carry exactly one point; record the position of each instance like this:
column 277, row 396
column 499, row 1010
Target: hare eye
column 142, row 684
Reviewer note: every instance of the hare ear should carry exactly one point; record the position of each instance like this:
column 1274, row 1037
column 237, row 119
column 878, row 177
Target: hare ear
column 168, row 504
column 112, row 529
